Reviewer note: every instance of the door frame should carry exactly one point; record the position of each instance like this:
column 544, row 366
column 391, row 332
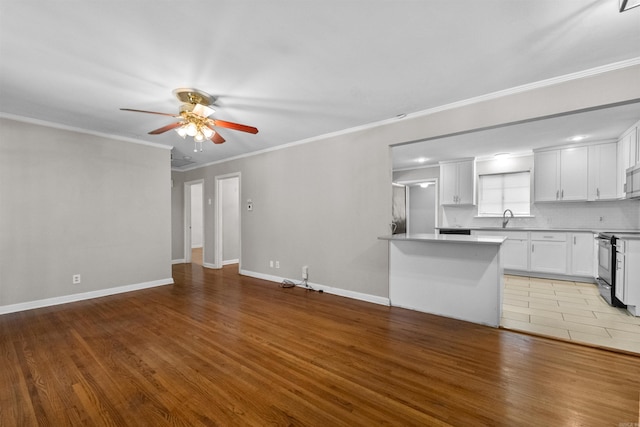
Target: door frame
column 187, row 219
column 217, row 219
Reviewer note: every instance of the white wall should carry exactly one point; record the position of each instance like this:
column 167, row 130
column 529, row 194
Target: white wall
column 73, row 203
column 324, row 203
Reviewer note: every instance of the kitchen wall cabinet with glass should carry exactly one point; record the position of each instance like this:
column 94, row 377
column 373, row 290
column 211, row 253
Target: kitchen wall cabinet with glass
column 457, row 182
column 561, row 175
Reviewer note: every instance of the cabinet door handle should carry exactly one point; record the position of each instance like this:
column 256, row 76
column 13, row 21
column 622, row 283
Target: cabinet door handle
column 562, row 194
column 574, row 240
column 557, row 194
column 533, row 247
column 598, row 193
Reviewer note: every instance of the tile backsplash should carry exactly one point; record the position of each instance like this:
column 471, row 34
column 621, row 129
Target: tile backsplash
column 613, row 215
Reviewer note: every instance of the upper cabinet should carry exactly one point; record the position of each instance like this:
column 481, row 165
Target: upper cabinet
column 561, row 175
column 628, row 155
column 603, row 173
column 457, row 182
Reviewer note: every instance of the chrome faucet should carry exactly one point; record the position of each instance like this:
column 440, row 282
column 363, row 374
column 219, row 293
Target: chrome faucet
column 505, row 220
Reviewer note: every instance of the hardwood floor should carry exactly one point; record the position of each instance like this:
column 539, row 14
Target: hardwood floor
column 217, row 348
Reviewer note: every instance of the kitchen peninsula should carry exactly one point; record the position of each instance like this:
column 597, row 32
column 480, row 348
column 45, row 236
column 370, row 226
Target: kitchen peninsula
column 448, row 275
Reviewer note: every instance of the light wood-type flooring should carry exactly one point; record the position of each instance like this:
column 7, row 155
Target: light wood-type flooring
column 219, row 349
column 568, row 310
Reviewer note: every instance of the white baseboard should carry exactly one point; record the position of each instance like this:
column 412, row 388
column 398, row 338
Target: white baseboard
column 328, row 289
column 209, row 265
column 230, row 261
column 178, row 261
column 29, row 305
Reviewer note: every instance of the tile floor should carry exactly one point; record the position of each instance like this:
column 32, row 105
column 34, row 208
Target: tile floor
column 570, row 310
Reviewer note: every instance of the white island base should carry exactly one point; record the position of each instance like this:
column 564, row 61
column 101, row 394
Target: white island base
column 448, row 275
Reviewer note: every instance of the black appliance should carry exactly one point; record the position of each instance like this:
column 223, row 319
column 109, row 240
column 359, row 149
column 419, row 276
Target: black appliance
column 459, row 231
column 607, row 268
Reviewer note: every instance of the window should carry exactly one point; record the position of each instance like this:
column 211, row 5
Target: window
column 501, row 191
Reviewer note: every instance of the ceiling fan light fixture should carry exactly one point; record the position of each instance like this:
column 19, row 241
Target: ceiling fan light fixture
column 208, row 132
column 199, row 137
column 191, row 129
column 181, row 131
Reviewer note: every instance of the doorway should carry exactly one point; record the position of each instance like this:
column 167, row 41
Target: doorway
column 415, row 206
column 194, row 221
column 422, row 207
column 227, row 220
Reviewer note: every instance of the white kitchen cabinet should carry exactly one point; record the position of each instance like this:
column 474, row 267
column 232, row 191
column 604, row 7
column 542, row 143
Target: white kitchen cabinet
column 549, row 252
column 621, row 282
column 603, row 172
column 628, row 155
column 628, row 283
column 561, row 175
column 546, row 177
column 582, row 254
column 515, row 250
column 457, row 182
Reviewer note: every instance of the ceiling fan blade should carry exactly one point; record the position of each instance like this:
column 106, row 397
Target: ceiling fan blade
column 166, row 128
column 235, row 126
column 216, row 138
column 150, row 112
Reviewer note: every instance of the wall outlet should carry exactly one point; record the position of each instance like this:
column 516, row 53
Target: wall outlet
column 277, row 264
column 271, row 263
column 76, row 279
column 305, row 272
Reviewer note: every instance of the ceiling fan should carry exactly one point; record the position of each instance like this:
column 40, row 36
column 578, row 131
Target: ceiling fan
column 195, row 118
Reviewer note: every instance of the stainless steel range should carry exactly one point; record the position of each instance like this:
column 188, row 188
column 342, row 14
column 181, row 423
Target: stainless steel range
column 607, row 268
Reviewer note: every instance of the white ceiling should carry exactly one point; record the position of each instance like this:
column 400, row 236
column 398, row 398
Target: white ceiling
column 293, row 69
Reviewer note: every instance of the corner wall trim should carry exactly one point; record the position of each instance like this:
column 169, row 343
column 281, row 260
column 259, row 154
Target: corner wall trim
column 47, row 302
column 327, row 289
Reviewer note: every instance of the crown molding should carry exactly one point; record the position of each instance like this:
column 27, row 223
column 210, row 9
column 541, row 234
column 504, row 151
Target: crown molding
column 44, row 123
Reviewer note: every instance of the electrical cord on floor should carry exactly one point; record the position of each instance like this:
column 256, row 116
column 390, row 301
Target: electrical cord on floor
column 286, row 283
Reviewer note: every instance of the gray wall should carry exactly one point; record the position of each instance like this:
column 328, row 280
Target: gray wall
column 73, row 203
column 230, row 219
column 196, row 216
column 324, row 203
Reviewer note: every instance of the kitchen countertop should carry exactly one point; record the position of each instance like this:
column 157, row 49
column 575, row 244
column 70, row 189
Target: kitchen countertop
column 628, row 236
column 559, row 230
column 445, row 238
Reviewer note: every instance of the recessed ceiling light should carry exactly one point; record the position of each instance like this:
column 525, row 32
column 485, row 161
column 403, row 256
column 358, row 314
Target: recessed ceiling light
column 401, row 116
column 577, row 138
column 421, row 159
column 186, row 157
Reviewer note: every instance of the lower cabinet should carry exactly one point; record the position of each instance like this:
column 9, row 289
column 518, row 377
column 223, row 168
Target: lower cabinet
column 515, row 250
column 516, row 254
column 549, row 252
column 582, row 254
column 562, row 253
